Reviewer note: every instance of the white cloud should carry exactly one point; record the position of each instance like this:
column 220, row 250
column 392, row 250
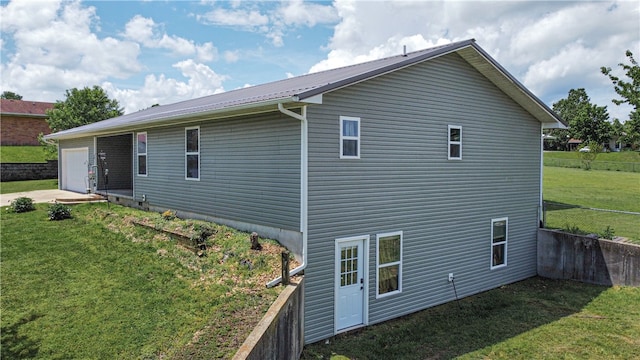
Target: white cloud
column 231, row 56
column 147, row 32
column 550, row 46
column 27, row 15
column 272, row 22
column 201, row 81
column 251, row 19
column 57, row 49
column 299, row 13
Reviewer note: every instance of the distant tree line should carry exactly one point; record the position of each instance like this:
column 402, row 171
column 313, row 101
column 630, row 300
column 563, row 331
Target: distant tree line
column 590, row 123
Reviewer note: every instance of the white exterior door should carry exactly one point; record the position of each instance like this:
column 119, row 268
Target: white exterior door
column 75, row 170
column 350, row 283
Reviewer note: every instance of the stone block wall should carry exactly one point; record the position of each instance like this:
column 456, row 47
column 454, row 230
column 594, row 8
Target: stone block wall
column 29, row 171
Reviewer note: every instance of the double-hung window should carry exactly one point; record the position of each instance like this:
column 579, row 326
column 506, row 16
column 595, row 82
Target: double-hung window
column 349, row 137
column 192, row 153
column 389, row 263
column 142, row 153
column 455, row 142
column 499, row 237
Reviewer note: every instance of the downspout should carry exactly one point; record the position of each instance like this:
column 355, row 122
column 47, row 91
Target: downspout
column 541, row 205
column 304, row 172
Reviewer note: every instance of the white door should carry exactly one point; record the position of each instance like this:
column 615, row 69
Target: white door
column 75, row 169
column 350, row 283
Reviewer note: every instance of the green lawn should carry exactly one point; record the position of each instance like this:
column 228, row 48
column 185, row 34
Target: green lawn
column 9, row 187
column 628, row 161
column 99, row 287
column 533, row 319
column 22, row 154
column 595, row 189
column 622, row 156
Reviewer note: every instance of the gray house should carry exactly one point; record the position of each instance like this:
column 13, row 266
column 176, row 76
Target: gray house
column 386, row 178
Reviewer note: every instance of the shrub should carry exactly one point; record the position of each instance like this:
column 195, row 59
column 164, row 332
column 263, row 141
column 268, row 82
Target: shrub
column 59, row 212
column 22, row 204
column 169, row 215
column 608, row 233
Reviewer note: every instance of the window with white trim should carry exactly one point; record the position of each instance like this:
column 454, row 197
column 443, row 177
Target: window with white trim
column 455, row 142
column 192, row 153
column 142, row 153
column 349, row 137
column 389, row 264
column 499, row 238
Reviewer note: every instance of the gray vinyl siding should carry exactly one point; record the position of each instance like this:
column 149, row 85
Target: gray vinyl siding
column 249, row 170
column 74, row 144
column 404, row 182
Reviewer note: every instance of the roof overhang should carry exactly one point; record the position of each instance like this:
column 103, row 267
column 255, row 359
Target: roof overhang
column 39, row 116
column 109, row 127
column 500, row 77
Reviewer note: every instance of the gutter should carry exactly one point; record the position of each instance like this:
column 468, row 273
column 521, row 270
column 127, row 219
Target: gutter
column 541, row 205
column 157, row 120
column 304, row 184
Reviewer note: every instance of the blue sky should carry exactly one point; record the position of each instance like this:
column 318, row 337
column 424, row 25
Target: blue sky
column 147, row 52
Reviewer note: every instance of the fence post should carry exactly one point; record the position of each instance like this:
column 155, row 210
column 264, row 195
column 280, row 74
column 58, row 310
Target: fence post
column 285, row 268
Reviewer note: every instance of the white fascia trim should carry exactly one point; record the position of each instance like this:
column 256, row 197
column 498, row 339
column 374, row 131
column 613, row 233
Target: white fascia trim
column 316, row 99
column 168, row 121
column 554, row 126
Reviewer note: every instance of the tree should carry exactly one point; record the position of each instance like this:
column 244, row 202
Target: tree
column 556, row 139
column 629, row 92
column 587, row 122
column 10, row 95
column 82, row 107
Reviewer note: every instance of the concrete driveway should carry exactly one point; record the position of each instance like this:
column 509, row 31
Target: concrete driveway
column 50, row 196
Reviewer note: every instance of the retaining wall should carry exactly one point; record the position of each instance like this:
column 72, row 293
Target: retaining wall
column 280, row 333
column 587, row 259
column 29, row 171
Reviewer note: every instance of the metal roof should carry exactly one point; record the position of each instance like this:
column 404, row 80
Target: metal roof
column 306, row 89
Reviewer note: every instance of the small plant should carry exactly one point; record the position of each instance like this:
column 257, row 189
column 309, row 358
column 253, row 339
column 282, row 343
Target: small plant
column 574, row 229
column 608, row 233
column 589, row 153
column 22, row 204
column 59, row 211
column 169, row 215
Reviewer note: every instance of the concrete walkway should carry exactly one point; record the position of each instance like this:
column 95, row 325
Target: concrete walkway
column 50, row 196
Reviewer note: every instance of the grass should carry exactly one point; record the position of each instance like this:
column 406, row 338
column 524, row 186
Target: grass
column 22, row 154
column 98, row 286
column 9, row 187
column 533, row 319
column 596, row 189
column 628, row 161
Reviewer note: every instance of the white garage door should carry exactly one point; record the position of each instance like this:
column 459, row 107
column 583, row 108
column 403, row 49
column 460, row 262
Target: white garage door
column 75, row 170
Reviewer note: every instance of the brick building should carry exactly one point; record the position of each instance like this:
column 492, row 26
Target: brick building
column 21, row 121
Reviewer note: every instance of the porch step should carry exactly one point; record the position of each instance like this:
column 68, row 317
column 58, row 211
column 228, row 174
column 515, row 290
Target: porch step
column 81, row 199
